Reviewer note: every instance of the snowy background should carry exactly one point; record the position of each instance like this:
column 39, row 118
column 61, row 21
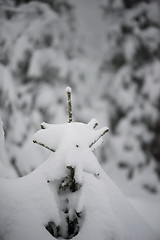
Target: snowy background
column 109, row 53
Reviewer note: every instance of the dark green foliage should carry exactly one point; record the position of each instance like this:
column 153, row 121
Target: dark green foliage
column 23, row 66
column 150, row 188
column 128, row 168
column 126, row 29
column 66, row 187
column 53, row 229
column 14, row 164
column 114, row 121
column 133, row 3
column 142, row 56
column 139, row 81
column 69, row 183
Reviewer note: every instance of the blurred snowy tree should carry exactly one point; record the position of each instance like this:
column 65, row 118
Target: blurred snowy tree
column 36, row 43
column 131, row 66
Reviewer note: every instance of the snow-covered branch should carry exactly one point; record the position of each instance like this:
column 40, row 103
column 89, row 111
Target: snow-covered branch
column 93, row 123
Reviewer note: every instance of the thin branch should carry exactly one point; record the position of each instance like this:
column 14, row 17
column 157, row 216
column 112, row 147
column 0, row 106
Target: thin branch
column 99, row 137
column 68, row 91
column 45, row 125
column 43, row 145
column 93, row 123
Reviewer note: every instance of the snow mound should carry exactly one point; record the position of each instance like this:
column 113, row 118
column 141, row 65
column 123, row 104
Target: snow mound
column 68, row 196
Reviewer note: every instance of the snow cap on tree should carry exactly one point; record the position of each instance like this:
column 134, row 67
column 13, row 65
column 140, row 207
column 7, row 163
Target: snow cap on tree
column 52, row 135
column 74, row 140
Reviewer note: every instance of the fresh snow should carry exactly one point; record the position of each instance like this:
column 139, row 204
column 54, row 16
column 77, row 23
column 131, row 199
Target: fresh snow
column 27, row 204
column 68, row 90
column 149, row 209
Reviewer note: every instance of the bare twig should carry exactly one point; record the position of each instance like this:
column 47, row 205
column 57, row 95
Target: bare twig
column 68, row 91
column 45, row 125
column 101, row 135
column 96, row 124
column 43, row 145
column 93, row 123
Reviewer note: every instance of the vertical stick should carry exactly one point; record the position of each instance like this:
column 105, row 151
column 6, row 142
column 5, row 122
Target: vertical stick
column 68, row 91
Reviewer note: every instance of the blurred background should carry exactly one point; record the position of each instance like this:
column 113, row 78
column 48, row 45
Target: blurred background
column 109, row 53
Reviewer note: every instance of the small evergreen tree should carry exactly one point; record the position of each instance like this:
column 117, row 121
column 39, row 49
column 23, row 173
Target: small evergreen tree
column 68, row 187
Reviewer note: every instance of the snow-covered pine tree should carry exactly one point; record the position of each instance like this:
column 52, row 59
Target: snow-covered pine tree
column 68, row 196
column 70, row 143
